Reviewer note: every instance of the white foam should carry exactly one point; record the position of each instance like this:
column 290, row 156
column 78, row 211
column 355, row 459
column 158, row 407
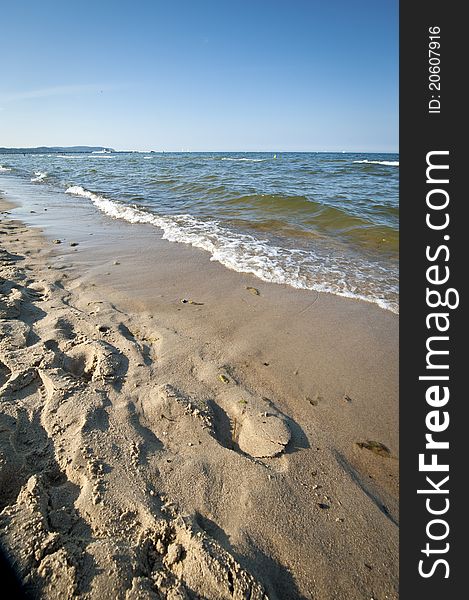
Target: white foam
column 40, row 176
column 244, row 253
column 388, row 163
column 4, row 169
column 244, row 159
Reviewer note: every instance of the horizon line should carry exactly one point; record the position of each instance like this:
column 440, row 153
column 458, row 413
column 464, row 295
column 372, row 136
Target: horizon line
column 183, row 151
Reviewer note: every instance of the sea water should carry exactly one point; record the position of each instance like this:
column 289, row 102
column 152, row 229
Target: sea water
column 321, row 221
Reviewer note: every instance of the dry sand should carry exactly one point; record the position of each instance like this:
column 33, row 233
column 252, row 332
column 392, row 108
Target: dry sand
column 242, row 444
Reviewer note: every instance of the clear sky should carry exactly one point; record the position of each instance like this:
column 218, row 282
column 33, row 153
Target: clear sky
column 200, row 74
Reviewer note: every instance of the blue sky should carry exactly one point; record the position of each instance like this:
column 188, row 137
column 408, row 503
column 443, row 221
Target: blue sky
column 201, row 75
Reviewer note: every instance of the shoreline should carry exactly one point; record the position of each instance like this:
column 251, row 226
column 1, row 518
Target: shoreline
column 289, row 508
column 358, row 261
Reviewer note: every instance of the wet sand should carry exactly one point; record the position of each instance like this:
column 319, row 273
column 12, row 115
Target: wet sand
column 174, row 429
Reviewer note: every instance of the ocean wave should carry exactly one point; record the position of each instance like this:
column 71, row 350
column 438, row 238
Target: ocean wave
column 244, row 159
column 388, row 163
column 39, row 176
column 244, row 253
column 4, row 169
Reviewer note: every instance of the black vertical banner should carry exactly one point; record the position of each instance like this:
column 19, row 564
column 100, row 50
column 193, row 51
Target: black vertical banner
column 434, row 358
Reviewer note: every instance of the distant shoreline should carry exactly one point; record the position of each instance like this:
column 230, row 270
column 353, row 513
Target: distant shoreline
column 55, row 149
column 88, row 149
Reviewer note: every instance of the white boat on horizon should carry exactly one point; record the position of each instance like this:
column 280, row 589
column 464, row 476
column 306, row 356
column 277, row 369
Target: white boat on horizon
column 103, row 151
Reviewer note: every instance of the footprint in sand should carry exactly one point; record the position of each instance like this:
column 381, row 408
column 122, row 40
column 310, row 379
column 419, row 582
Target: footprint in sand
column 257, row 427
column 13, row 335
column 38, row 291
column 10, row 305
column 94, row 360
column 64, row 330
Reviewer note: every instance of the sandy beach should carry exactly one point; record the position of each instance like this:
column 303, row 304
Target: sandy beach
column 173, row 429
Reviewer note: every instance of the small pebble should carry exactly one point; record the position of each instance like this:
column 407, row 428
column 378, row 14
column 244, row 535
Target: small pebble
column 253, row 290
